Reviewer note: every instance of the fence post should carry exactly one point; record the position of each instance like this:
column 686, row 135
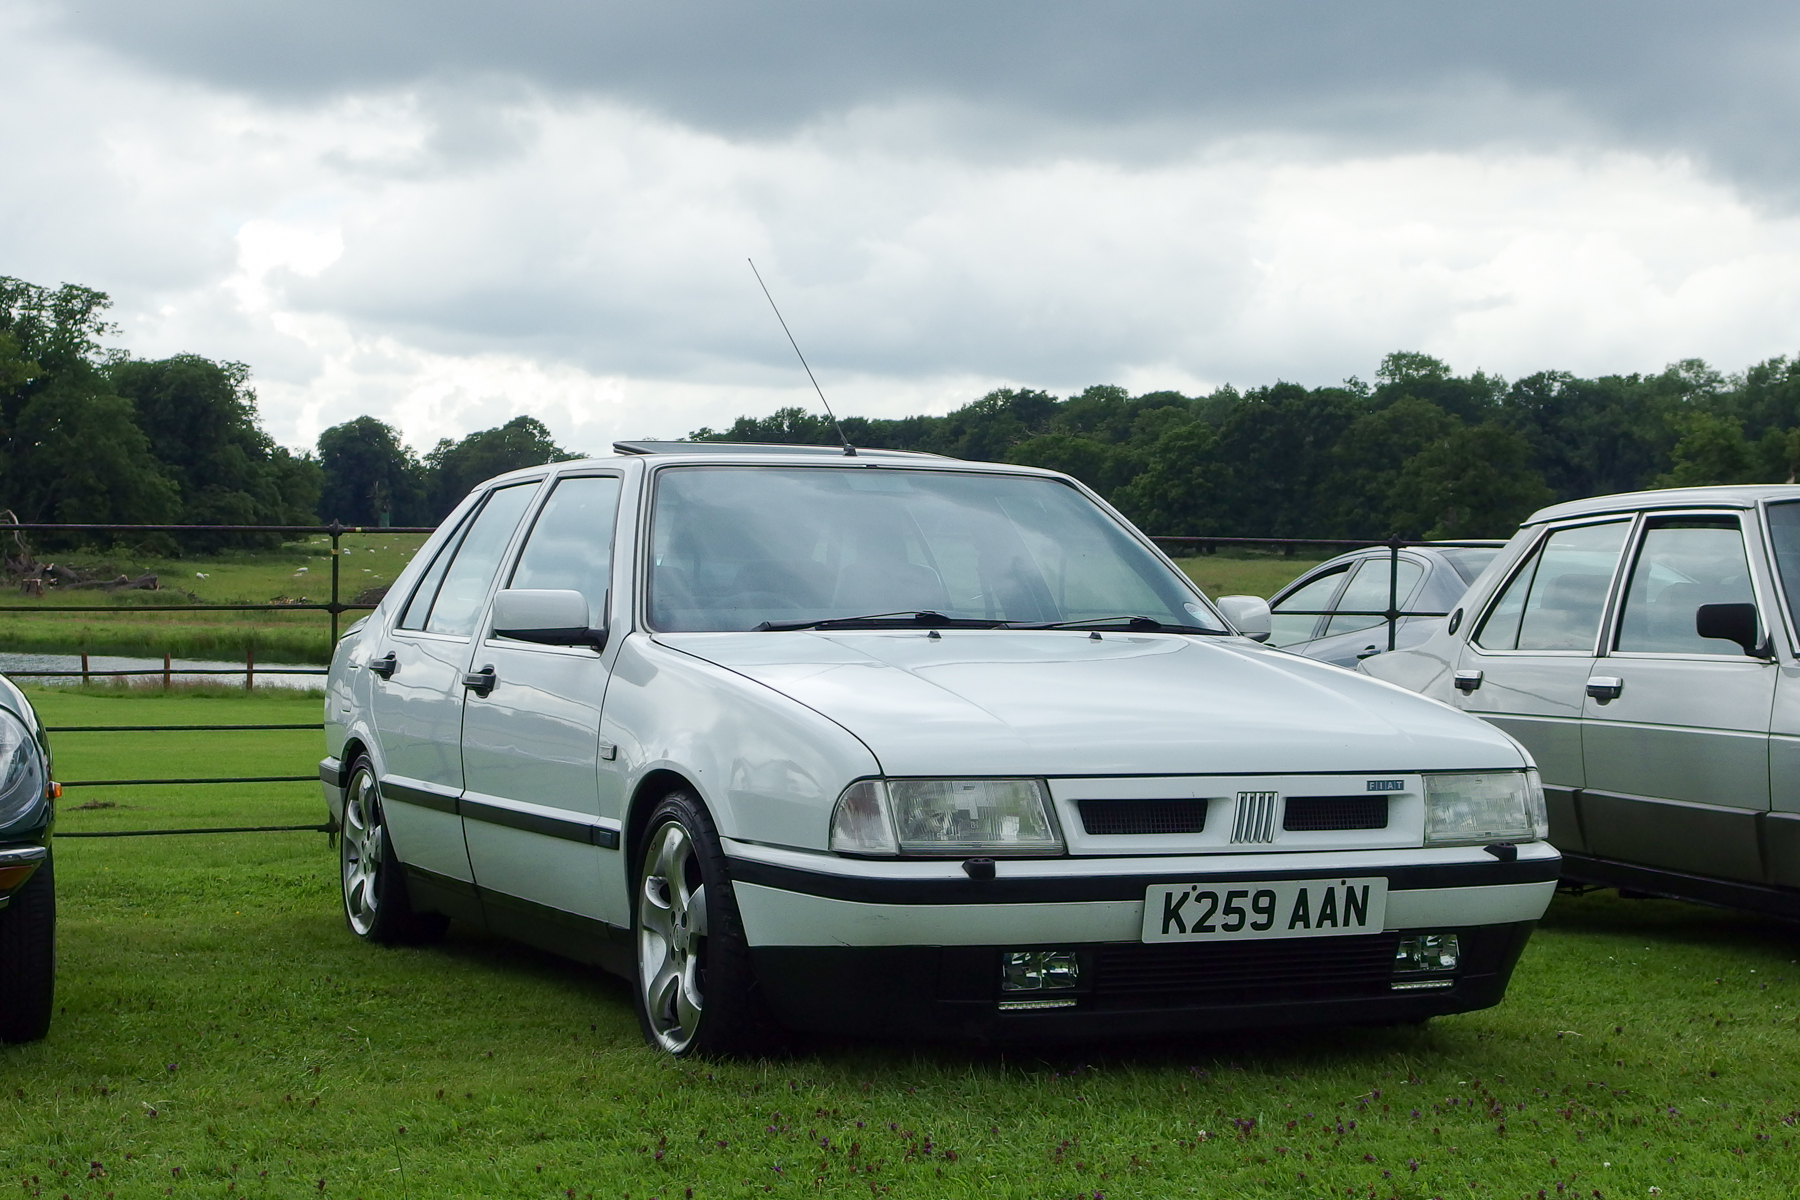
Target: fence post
column 84, row 669
column 337, row 531
column 165, row 670
column 249, row 668
column 1393, row 608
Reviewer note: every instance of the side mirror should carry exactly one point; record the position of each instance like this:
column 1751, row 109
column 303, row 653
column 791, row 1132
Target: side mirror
column 547, row 617
column 1731, row 623
column 1250, row 614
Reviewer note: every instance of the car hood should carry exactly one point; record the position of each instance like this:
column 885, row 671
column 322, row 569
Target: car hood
column 1055, row 702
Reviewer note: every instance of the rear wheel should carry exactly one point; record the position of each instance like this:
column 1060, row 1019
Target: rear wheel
column 376, row 905
column 28, row 957
column 696, row 987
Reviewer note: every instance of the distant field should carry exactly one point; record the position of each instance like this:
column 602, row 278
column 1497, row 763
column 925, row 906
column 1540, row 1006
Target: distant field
column 1258, row 575
column 299, row 572
column 219, row 1034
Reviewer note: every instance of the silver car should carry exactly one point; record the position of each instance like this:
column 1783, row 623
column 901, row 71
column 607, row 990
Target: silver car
column 1643, row 648
column 1329, row 612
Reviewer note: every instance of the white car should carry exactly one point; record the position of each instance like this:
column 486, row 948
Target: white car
column 892, row 742
column 1643, row 648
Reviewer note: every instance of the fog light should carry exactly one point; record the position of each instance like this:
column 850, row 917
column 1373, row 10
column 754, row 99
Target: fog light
column 1038, row 970
column 1426, row 954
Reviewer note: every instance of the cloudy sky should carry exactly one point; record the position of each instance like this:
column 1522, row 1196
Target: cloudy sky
column 449, row 213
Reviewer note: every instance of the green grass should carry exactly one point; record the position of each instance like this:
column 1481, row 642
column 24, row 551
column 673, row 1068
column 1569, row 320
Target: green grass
column 1244, row 573
column 220, row 1034
column 300, row 572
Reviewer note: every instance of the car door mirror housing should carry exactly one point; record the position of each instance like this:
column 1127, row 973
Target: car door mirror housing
column 1250, row 614
column 549, row 617
column 1730, row 623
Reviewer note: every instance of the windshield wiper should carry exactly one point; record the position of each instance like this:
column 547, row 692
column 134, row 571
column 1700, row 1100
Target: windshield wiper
column 1131, row 623
column 906, row 619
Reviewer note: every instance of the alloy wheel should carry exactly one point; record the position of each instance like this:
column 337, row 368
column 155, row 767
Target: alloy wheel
column 363, row 847
column 671, row 936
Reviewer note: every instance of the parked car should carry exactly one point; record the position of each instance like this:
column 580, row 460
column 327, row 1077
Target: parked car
column 1643, row 649
column 1426, row 579
column 27, row 874
column 892, row 742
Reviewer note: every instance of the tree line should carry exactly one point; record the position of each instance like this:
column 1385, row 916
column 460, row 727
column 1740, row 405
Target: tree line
column 1421, row 452
column 96, row 436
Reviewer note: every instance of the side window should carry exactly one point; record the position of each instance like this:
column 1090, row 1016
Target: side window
column 1683, row 562
column 1288, row 626
column 426, row 589
column 571, row 543
column 449, row 597
column 1368, row 592
column 1555, row 600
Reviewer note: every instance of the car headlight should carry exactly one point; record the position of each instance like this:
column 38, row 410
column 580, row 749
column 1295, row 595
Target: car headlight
column 22, row 781
column 1501, row 806
column 945, row 817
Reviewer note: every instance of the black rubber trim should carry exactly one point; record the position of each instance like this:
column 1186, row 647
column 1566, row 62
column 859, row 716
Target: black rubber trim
column 332, row 771
column 1701, row 889
column 1115, row 887
column 436, row 801
column 556, row 827
column 511, row 818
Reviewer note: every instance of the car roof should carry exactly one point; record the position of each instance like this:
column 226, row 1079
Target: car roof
column 1739, row 496
column 659, row 453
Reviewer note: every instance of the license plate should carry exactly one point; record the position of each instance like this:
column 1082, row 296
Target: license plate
column 1211, row 912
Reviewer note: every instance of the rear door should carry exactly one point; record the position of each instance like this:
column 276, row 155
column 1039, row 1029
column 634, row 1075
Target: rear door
column 1526, row 666
column 1297, row 617
column 1348, row 637
column 1677, row 763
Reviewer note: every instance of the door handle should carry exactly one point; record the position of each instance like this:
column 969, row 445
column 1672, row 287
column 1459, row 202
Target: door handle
column 1367, row 652
column 1467, row 681
column 385, row 666
column 481, row 682
column 1605, row 688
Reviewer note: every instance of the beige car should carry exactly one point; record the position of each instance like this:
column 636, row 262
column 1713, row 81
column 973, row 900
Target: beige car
column 1643, row 648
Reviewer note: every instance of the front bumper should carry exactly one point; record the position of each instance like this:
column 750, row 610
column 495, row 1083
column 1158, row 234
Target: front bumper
column 17, row 864
column 915, row 948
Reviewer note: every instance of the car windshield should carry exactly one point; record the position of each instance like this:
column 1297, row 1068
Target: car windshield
column 738, row 547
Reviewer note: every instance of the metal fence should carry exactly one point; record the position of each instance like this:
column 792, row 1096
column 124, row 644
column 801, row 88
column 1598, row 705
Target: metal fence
column 335, row 607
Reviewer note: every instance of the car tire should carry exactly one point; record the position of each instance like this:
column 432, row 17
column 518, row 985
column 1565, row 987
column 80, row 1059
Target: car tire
column 696, row 986
column 377, row 907
column 28, row 957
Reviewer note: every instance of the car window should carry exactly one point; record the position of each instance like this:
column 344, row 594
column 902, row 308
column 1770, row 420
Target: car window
column 425, row 591
column 1470, row 561
column 570, row 544
column 1682, row 563
column 449, row 598
column 1784, row 537
column 1310, row 598
column 1368, row 592
column 1555, row 600
column 733, row 547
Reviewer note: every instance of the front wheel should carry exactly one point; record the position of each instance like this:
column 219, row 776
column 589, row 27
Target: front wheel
column 696, row 987
column 28, row 957
column 377, row 907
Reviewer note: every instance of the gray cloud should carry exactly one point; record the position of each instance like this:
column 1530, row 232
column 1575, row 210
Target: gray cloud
column 1720, row 82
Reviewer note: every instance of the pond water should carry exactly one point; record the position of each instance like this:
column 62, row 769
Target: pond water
column 182, row 670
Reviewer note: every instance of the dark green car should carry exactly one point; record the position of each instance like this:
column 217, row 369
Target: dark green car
column 27, row 875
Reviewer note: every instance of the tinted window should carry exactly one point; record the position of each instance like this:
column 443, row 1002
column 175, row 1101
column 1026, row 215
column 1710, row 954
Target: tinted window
column 1311, row 597
column 733, row 547
column 1470, row 561
column 1784, row 536
column 451, row 598
column 570, row 544
column 1684, row 562
column 1554, row 602
column 1368, row 592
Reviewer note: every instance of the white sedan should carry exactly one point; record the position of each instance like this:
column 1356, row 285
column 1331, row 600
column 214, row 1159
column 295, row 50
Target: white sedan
column 892, row 742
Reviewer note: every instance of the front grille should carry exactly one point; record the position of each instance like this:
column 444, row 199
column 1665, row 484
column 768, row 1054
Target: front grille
column 1157, row 975
column 1336, row 812
column 1100, row 817
column 1255, row 817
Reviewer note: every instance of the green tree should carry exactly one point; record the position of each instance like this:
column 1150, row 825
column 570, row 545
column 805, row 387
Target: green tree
column 1355, row 497
column 1477, row 482
column 1711, row 450
column 453, row 468
column 368, row 476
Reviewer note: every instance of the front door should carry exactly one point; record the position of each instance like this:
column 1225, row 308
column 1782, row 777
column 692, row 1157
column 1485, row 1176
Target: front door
column 1527, row 665
column 533, row 816
column 1678, row 761
column 418, row 706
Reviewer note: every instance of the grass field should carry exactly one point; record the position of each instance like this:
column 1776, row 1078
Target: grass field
column 299, row 572
column 221, row 1035
column 1245, row 573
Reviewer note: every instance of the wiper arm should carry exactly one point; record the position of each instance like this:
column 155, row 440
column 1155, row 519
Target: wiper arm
column 1134, row 624
column 920, row 618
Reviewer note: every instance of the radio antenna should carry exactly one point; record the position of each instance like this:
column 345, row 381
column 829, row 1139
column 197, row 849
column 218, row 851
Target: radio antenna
column 849, row 450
